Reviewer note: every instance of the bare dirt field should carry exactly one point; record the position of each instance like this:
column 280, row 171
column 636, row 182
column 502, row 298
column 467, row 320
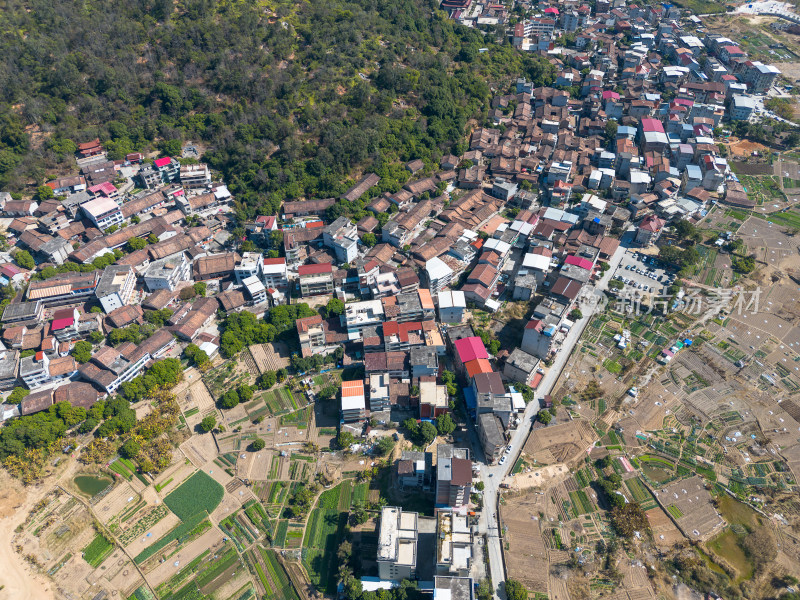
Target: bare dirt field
column 116, row 501
column 117, row 573
column 200, row 449
column 526, row 557
column 163, row 571
column 665, row 534
column 19, row 580
column 536, row 477
column 563, row 443
column 177, row 472
column 745, row 148
column 690, row 503
column 270, row 357
column 155, row 532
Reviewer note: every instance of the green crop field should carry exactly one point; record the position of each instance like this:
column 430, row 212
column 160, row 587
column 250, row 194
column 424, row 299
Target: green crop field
column 165, row 589
column 581, row 502
column 119, row 467
column 199, row 493
column 283, row 589
column 360, row 493
column 787, row 218
column 280, row 535
column 97, row 550
column 323, row 535
column 639, row 493
column 330, row 498
column 257, row 515
column 674, row 511
column 297, row 419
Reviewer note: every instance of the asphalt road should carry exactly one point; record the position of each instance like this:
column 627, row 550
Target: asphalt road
column 492, row 475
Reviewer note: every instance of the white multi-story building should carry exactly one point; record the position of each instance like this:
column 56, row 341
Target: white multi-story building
column 741, row 108
column 452, row 306
column 116, row 286
column 439, row 275
column 342, row 237
column 397, row 544
column 255, row 289
column 250, row 266
column 358, row 315
column 167, row 273
column 103, row 212
column 273, row 274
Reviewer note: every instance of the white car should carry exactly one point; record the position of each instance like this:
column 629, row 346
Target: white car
column 508, row 449
column 503, row 459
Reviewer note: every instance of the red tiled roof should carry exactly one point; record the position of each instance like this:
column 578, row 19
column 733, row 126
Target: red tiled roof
column 315, row 269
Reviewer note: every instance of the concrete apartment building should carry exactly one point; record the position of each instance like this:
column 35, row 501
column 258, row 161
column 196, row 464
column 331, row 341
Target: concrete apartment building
column 342, row 237
column 453, row 588
column 490, row 433
column 379, row 397
column 354, row 404
column 195, row 176
column 453, row 476
column 103, row 212
column 438, row 274
column 454, row 551
column 397, row 544
column 167, row 273
column 316, row 280
column 116, row 286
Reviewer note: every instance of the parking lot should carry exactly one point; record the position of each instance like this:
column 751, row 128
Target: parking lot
column 643, row 272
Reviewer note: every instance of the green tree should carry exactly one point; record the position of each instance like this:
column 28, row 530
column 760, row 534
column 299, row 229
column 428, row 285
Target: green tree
column 82, row 351
column 445, row 424
column 230, row 399
column 96, row 337
column 544, row 417
column 135, row 243
column 25, row 260
column 358, row 514
column 427, row 433
column 384, row 446
column 44, row 192
column 515, row 590
column 200, row 288
column 611, row 130
column 743, row 264
column 485, row 591
column 449, row 379
column 245, row 393
column 335, row 307
column 369, row 239
column 345, row 439
column 575, row 314
column 16, row 395
column 208, row 423
column 258, row 444
column 130, row 449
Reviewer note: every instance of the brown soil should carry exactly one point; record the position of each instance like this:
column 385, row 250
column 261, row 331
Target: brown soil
column 19, row 581
column 746, row 148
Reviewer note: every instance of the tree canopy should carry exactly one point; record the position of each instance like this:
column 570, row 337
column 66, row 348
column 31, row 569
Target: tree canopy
column 290, row 100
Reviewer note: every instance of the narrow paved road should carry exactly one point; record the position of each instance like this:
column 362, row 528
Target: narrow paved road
column 492, row 475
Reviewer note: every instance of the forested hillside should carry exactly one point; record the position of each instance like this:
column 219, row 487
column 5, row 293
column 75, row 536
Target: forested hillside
column 289, row 98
